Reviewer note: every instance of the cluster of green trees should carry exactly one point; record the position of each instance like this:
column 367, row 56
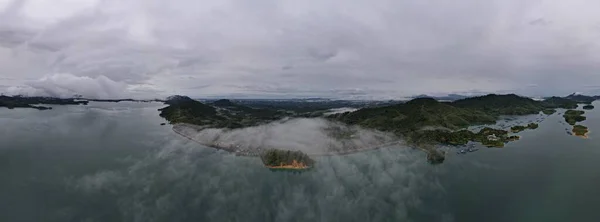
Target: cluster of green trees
column 183, row 109
column 516, row 129
column 532, row 126
column 460, row 137
column 588, row 107
column 487, row 136
column 503, row 104
column 574, row 116
column 559, row 102
column 275, row 157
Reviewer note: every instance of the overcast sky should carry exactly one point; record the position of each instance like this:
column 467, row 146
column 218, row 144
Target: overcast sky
column 292, row 48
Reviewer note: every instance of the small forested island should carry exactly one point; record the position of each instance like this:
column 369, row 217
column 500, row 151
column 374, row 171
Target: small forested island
column 580, row 131
column 516, row 129
column 533, row 126
column 286, row 159
column 588, row 107
column 12, row 102
column 574, row 116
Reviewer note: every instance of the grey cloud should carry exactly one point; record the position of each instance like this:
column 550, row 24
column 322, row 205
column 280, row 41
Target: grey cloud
column 198, row 87
column 395, row 47
column 540, row 22
column 66, row 86
column 12, row 38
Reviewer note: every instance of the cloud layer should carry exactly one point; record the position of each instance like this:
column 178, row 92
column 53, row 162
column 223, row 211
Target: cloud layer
column 349, row 49
column 67, row 85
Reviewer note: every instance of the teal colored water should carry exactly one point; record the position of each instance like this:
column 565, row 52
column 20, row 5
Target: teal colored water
column 114, row 162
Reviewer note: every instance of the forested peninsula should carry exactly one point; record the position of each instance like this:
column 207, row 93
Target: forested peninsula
column 12, row 102
column 423, row 122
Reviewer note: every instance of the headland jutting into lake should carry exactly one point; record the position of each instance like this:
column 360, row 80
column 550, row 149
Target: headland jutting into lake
column 421, row 122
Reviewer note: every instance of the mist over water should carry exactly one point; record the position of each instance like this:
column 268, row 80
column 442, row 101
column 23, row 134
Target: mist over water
column 180, row 185
column 114, row 162
column 313, row 136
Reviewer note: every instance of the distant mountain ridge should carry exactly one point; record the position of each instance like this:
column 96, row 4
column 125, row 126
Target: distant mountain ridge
column 509, row 104
column 449, row 97
column 578, row 97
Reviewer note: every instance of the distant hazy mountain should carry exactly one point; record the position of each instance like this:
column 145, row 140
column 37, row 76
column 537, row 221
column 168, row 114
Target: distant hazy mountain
column 577, row 97
column 12, row 102
column 449, row 97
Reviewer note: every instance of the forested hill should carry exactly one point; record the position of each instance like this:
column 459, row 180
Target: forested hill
column 426, row 112
column 413, row 115
column 219, row 114
column 582, row 98
column 560, row 102
column 493, row 104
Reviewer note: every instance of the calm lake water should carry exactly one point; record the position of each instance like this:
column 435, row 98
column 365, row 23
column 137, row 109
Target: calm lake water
column 114, row 162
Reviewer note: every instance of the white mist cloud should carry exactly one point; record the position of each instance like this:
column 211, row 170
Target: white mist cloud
column 313, row 136
column 388, row 184
column 68, row 85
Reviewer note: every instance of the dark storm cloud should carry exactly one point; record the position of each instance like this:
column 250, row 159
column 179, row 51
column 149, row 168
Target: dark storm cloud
column 387, row 48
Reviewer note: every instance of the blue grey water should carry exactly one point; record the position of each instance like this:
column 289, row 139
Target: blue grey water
column 114, row 162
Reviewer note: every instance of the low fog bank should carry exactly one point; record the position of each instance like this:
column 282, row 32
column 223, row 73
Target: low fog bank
column 66, row 85
column 182, row 183
column 340, row 110
column 315, row 136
